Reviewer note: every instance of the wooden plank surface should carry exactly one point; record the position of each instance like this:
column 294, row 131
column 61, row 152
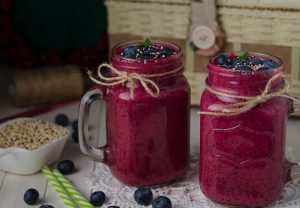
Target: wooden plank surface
column 14, row 187
column 2, row 176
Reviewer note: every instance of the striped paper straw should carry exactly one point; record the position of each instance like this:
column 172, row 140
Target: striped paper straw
column 59, row 189
column 77, row 196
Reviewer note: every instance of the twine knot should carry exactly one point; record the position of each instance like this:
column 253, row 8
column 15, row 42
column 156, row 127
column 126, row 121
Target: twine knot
column 249, row 102
column 121, row 77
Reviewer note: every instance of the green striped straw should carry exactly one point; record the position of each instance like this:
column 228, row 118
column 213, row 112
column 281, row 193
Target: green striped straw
column 59, row 189
column 76, row 195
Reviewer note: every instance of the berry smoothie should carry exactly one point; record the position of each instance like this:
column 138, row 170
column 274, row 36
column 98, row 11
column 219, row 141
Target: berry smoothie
column 242, row 157
column 148, row 137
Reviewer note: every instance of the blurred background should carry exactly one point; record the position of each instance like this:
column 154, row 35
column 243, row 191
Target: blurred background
column 47, row 46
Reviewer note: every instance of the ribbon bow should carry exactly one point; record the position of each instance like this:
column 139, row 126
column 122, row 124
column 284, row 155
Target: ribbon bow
column 249, row 101
column 122, row 77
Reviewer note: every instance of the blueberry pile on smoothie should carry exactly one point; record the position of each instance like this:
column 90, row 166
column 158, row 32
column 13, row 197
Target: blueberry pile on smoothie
column 244, row 62
column 146, row 50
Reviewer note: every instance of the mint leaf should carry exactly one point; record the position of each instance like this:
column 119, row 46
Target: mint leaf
column 145, row 43
column 244, row 56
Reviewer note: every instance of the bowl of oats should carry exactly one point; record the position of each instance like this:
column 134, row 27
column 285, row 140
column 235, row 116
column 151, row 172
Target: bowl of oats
column 26, row 144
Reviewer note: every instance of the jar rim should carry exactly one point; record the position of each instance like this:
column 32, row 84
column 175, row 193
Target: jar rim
column 255, row 54
column 147, row 66
column 119, row 46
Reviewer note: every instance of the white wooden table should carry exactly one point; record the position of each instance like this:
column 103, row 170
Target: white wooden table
column 12, row 187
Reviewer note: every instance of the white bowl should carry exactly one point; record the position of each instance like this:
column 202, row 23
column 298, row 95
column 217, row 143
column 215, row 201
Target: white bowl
column 24, row 162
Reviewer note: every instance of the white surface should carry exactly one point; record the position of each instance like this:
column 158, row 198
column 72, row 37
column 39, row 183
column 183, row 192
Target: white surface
column 12, row 187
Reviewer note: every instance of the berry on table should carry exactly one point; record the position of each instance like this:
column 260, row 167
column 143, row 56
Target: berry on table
column 143, row 196
column 221, row 60
column 75, row 136
column 31, row 196
column 97, row 198
column 75, row 125
column 66, row 167
column 62, row 119
column 46, row 206
column 162, row 202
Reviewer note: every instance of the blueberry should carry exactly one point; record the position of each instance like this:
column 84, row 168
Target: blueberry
column 239, row 62
column 269, row 64
column 75, row 136
column 46, row 206
column 66, row 167
column 62, row 119
column 241, row 65
column 145, row 55
column 130, row 52
column 243, row 68
column 165, row 52
column 143, row 196
column 75, row 125
column 255, row 61
column 97, row 198
column 162, row 202
column 222, row 59
column 31, row 196
column 263, row 68
column 152, row 49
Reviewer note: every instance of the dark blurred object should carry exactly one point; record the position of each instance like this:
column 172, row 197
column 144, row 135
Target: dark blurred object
column 46, row 85
column 36, row 33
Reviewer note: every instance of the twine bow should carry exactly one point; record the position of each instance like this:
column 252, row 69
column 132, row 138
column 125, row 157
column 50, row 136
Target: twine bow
column 252, row 101
column 121, row 77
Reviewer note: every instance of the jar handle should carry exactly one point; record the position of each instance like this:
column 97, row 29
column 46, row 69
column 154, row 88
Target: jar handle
column 98, row 154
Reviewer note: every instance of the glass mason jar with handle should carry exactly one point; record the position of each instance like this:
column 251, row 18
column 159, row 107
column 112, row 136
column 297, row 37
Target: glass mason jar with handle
column 147, row 118
column 242, row 151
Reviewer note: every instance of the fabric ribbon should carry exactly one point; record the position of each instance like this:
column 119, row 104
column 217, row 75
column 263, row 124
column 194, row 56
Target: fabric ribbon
column 121, row 77
column 250, row 102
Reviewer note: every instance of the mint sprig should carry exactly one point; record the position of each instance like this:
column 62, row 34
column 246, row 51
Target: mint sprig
column 244, row 56
column 146, row 43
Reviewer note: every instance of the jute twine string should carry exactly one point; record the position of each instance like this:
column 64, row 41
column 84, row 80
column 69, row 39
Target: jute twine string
column 46, row 85
column 250, row 102
column 121, row 77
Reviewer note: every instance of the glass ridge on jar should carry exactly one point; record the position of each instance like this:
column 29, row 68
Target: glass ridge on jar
column 242, row 157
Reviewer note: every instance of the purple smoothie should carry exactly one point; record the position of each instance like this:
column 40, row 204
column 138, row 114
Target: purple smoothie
column 242, row 157
column 148, row 137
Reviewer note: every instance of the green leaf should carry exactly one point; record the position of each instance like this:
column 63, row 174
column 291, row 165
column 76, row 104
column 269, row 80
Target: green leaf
column 244, row 56
column 145, row 43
